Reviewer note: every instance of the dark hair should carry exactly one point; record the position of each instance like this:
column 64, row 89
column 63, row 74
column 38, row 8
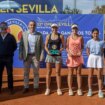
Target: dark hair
column 4, row 23
column 33, row 21
column 95, row 29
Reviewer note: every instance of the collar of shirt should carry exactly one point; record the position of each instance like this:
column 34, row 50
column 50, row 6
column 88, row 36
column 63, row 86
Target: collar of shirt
column 4, row 36
column 34, row 33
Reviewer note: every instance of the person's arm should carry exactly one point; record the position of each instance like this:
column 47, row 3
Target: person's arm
column 88, row 48
column 14, row 43
column 82, row 46
column 82, row 43
column 103, row 48
column 41, row 48
column 46, row 44
column 21, row 49
column 67, row 46
column 62, row 40
column 88, row 51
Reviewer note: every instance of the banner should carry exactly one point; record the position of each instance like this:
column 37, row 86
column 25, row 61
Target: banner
column 18, row 23
column 33, row 6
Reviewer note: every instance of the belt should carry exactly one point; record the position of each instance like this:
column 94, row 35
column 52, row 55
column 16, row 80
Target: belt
column 32, row 54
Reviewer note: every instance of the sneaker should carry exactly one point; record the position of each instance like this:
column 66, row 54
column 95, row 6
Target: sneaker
column 59, row 92
column 100, row 94
column 25, row 90
column 89, row 93
column 11, row 91
column 36, row 90
column 71, row 93
column 47, row 92
column 79, row 92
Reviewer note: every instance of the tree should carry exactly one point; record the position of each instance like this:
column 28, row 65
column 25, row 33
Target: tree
column 68, row 10
column 100, row 10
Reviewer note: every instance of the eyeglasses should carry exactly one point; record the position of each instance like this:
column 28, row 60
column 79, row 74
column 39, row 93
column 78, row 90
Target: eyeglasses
column 3, row 28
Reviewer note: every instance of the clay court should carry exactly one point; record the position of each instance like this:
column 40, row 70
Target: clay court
column 40, row 99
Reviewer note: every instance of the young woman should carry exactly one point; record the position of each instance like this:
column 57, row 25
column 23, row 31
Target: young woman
column 74, row 48
column 95, row 60
column 54, row 45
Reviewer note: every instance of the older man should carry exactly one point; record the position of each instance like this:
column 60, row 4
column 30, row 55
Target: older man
column 31, row 52
column 7, row 47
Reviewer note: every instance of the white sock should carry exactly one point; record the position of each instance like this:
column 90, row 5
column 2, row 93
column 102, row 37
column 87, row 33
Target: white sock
column 90, row 89
column 100, row 91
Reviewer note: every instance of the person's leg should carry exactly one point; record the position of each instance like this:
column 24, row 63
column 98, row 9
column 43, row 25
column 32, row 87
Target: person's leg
column 1, row 73
column 48, row 77
column 99, row 77
column 70, row 80
column 35, row 65
column 27, row 65
column 9, row 67
column 79, row 80
column 90, row 75
column 58, row 75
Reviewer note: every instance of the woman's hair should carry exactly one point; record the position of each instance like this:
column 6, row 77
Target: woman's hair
column 95, row 29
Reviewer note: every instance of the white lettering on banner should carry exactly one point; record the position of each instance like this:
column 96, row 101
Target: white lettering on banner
column 44, row 32
column 65, row 32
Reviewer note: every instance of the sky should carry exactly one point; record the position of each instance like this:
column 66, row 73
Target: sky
column 85, row 5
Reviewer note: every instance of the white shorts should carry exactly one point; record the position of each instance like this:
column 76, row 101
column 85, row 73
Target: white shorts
column 95, row 61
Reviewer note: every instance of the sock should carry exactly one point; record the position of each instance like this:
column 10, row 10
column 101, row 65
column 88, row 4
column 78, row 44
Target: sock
column 90, row 89
column 100, row 91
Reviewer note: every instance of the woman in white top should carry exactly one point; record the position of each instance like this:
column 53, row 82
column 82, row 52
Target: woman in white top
column 95, row 60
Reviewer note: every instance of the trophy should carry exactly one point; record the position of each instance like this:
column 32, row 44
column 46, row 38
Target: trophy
column 54, row 51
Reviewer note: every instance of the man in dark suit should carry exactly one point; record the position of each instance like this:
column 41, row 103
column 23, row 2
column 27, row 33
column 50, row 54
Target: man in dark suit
column 7, row 47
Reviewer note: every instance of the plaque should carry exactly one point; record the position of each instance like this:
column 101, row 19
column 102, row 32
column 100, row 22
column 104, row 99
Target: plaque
column 54, row 50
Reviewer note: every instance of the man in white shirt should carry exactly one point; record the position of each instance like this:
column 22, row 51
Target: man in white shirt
column 31, row 52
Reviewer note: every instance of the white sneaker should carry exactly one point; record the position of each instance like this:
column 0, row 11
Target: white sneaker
column 89, row 93
column 47, row 92
column 100, row 94
column 79, row 92
column 59, row 92
column 71, row 93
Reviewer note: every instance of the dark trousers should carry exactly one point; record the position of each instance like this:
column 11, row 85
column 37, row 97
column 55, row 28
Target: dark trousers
column 8, row 63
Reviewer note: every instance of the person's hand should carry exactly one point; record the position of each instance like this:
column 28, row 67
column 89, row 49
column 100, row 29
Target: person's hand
column 48, row 53
column 70, row 54
column 20, row 57
column 59, row 52
column 79, row 53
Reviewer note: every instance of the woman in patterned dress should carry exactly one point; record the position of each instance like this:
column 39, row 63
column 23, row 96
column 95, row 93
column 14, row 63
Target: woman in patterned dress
column 54, row 42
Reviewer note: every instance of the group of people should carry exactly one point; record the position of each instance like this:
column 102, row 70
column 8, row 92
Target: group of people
column 31, row 51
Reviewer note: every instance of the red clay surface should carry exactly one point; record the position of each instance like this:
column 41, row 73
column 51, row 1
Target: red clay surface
column 40, row 99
